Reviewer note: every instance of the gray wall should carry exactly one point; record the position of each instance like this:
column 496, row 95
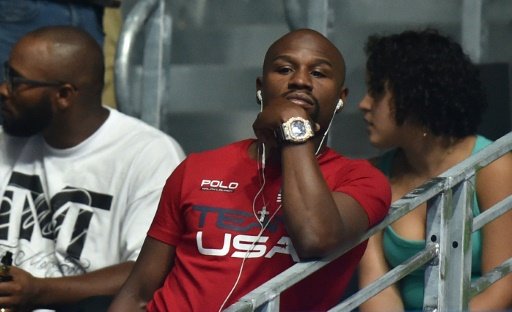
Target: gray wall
column 218, row 47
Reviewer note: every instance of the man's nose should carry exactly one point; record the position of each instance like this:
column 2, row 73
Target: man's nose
column 301, row 79
column 3, row 89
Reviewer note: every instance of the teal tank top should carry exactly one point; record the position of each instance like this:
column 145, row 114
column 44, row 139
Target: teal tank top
column 397, row 249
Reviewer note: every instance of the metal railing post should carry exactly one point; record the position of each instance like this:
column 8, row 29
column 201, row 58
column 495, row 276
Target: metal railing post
column 433, row 235
column 140, row 87
column 455, row 255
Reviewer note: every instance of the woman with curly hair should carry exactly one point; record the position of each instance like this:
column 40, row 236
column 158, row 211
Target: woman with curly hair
column 424, row 103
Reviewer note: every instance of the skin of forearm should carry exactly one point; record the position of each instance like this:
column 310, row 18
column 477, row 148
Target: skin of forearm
column 495, row 298
column 70, row 289
column 311, row 215
column 128, row 300
column 154, row 263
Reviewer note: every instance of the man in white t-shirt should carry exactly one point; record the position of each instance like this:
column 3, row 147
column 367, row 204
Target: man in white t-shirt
column 79, row 182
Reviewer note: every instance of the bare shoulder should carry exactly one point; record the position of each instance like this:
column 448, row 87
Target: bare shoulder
column 494, row 182
column 501, row 167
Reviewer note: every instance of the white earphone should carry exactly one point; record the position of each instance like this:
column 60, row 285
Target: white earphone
column 340, row 104
column 258, row 95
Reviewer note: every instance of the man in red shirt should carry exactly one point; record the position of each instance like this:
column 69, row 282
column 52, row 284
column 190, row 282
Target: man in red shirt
column 232, row 218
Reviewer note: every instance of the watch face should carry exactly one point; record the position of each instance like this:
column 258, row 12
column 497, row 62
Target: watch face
column 298, row 129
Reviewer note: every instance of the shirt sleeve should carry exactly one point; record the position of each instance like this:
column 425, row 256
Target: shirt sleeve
column 167, row 225
column 153, row 166
column 369, row 187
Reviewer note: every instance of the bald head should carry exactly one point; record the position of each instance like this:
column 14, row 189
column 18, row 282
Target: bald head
column 63, row 53
column 307, row 39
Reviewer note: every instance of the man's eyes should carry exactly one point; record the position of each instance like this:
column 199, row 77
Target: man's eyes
column 314, row 73
column 318, row 74
column 17, row 80
column 284, row 70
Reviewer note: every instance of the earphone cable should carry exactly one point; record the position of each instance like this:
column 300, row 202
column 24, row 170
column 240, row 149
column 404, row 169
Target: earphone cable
column 251, row 248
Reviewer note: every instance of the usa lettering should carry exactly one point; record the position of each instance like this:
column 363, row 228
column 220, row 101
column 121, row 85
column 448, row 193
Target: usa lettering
column 247, row 246
column 233, row 220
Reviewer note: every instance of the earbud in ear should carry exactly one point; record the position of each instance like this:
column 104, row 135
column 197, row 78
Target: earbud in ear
column 340, row 104
column 258, row 95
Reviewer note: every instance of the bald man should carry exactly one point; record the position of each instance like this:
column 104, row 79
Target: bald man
column 80, row 182
column 232, row 218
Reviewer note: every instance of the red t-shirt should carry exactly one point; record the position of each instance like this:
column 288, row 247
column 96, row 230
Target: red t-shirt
column 206, row 211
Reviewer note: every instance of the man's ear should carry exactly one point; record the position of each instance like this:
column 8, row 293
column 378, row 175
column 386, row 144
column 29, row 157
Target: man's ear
column 64, row 96
column 258, row 83
column 344, row 94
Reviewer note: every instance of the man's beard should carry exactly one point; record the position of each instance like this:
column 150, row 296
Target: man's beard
column 30, row 121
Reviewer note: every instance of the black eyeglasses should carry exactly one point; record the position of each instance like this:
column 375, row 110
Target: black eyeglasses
column 14, row 79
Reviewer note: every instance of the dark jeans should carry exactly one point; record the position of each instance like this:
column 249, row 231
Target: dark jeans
column 93, row 304
column 18, row 17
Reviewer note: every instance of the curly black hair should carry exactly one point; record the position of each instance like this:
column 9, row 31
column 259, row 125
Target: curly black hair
column 432, row 81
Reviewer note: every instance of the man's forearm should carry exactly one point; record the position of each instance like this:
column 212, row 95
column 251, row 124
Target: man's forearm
column 66, row 290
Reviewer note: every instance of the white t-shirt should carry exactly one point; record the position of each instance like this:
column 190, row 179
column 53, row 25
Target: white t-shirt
column 71, row 211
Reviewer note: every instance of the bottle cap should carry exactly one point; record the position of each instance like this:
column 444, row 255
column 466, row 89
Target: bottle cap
column 7, row 259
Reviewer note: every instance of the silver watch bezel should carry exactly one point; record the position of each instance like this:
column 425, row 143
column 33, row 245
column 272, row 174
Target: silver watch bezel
column 288, row 134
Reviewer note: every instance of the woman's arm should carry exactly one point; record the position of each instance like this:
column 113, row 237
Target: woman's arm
column 372, row 266
column 494, row 183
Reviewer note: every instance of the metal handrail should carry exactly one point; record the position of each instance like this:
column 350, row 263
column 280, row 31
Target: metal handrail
column 269, row 292
column 132, row 26
column 430, row 252
column 137, row 21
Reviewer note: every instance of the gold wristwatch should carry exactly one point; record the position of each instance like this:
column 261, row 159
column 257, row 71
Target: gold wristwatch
column 295, row 130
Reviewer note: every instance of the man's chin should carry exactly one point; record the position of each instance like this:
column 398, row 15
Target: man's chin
column 17, row 132
column 4, row 115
